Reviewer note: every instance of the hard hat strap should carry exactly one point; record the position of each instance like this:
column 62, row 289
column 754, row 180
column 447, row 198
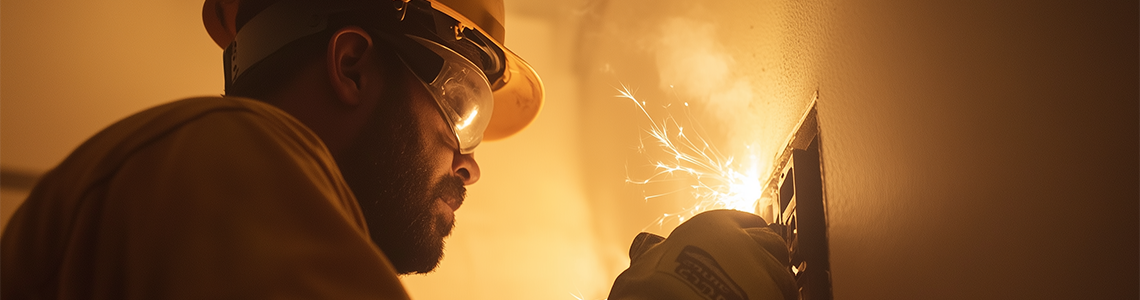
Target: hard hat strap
column 273, row 28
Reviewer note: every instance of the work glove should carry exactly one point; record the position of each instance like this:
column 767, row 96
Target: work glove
column 719, row 254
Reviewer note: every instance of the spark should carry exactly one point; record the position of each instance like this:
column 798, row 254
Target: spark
column 720, row 182
column 579, row 296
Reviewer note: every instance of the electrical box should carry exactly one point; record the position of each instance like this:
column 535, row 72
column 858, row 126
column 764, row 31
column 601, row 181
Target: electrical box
column 797, row 208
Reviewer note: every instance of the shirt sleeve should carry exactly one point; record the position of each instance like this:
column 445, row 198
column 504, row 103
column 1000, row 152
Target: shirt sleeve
column 232, row 206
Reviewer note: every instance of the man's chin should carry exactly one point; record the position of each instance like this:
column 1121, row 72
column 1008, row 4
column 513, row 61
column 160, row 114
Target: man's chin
column 424, row 261
column 428, row 252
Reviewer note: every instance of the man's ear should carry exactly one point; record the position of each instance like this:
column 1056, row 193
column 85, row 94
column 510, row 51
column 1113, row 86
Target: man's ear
column 350, row 64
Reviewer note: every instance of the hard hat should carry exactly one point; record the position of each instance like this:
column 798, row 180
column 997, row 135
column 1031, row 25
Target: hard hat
column 518, row 92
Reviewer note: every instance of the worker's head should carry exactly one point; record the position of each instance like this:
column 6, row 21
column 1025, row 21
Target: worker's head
column 401, row 92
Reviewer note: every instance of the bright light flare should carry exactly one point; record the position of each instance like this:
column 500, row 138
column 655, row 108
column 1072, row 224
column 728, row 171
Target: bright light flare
column 720, row 181
column 467, row 120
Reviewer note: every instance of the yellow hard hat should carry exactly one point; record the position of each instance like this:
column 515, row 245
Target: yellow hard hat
column 518, row 92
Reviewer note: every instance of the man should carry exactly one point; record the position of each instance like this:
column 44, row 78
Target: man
column 343, row 173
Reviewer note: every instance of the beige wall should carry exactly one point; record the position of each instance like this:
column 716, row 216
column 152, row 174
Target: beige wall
column 981, row 149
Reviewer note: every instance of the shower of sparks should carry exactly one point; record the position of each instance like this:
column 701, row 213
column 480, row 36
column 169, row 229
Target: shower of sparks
column 718, row 180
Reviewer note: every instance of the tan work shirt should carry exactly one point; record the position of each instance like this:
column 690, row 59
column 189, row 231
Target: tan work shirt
column 205, row 198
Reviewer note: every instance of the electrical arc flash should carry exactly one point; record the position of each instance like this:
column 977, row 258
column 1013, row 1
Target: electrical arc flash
column 720, row 182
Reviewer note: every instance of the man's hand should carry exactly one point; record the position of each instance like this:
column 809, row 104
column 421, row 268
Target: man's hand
column 720, row 254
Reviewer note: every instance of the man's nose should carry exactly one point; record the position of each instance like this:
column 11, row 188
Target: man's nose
column 465, row 166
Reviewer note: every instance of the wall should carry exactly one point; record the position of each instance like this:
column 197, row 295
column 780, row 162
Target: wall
column 981, row 149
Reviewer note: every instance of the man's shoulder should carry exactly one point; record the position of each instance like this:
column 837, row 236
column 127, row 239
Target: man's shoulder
column 200, row 116
column 190, row 107
column 177, row 113
column 194, row 122
column 198, row 140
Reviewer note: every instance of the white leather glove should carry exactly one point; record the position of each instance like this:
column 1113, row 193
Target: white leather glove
column 719, row 254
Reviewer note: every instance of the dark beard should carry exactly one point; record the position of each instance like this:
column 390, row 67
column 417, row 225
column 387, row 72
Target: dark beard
column 389, row 172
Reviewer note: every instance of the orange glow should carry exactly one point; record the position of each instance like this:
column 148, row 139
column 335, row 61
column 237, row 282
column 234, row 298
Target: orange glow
column 719, row 181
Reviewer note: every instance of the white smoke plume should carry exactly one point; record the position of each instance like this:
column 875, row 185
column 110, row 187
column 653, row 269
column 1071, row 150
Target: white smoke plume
column 697, row 67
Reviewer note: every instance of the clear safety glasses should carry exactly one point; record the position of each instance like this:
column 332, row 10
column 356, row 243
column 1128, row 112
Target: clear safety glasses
column 463, row 94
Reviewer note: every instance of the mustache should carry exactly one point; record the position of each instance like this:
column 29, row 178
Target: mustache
column 450, row 187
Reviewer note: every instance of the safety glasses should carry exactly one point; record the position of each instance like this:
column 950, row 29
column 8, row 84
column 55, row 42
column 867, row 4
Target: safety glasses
column 461, row 91
column 457, row 82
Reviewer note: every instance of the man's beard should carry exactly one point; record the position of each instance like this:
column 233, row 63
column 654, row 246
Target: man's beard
column 390, row 174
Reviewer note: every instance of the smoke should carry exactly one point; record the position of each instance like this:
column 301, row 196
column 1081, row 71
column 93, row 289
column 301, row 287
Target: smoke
column 690, row 60
column 694, row 65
